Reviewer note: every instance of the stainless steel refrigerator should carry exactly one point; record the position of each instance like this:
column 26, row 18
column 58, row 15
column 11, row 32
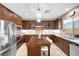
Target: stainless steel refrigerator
column 7, row 38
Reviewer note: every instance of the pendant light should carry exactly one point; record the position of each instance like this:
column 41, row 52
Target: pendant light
column 38, row 14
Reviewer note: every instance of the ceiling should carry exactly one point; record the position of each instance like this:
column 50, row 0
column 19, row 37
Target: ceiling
column 49, row 11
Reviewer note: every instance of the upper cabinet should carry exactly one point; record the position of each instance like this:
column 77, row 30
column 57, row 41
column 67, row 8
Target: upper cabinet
column 1, row 12
column 8, row 15
column 25, row 25
column 45, row 24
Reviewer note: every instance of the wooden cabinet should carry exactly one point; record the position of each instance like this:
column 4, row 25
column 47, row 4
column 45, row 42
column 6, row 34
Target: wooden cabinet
column 51, row 37
column 8, row 15
column 46, row 24
column 24, row 24
column 62, row 44
column 19, row 21
column 29, row 25
column 56, row 24
column 1, row 12
column 34, row 51
column 66, row 47
column 16, row 20
column 26, row 38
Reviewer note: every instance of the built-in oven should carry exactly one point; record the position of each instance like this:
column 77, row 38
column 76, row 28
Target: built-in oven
column 18, row 33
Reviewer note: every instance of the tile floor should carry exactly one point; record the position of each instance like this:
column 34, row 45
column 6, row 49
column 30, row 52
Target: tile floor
column 54, row 51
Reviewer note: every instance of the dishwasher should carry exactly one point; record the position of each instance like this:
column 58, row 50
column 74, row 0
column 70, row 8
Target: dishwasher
column 74, row 49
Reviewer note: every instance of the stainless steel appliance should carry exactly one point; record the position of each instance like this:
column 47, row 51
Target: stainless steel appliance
column 18, row 33
column 7, row 38
column 19, row 36
column 74, row 49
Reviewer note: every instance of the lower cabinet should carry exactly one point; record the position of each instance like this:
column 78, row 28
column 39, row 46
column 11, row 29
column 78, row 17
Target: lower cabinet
column 62, row 44
column 66, row 47
column 26, row 38
column 38, row 51
column 34, row 51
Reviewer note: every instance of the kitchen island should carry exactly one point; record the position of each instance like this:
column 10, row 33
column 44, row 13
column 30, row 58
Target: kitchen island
column 38, row 47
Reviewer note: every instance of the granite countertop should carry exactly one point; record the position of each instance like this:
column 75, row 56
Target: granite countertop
column 52, row 32
column 35, row 41
column 72, row 39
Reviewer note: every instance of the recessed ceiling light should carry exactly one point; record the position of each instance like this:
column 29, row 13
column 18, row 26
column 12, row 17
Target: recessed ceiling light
column 67, row 9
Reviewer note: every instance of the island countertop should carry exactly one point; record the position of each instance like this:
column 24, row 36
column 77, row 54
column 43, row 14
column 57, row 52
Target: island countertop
column 38, row 42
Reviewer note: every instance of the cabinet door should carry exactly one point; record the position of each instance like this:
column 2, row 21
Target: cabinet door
column 29, row 25
column 33, row 51
column 62, row 44
column 6, row 14
column 55, row 39
column 19, row 21
column 1, row 12
column 66, row 47
column 26, row 38
column 14, row 18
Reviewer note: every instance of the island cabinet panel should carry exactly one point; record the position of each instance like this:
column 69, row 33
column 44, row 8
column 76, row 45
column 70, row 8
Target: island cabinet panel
column 34, row 51
column 62, row 44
